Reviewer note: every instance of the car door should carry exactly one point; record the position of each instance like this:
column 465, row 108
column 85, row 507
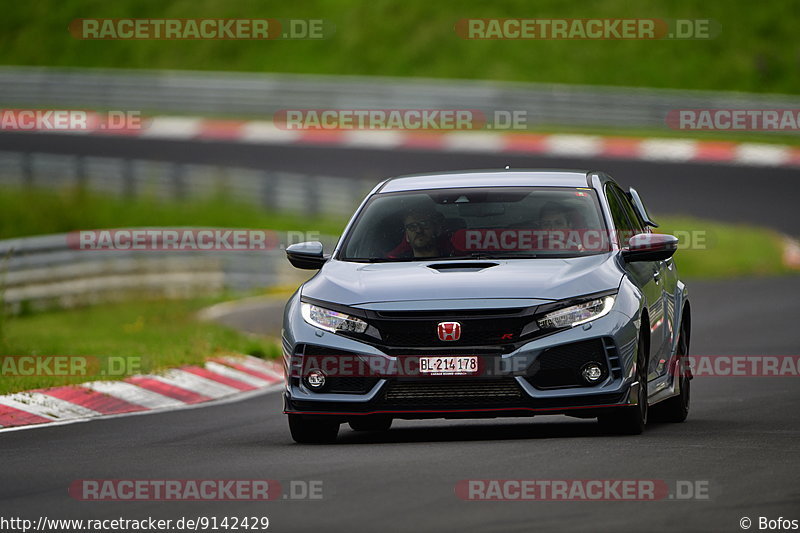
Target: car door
column 647, row 275
column 669, row 288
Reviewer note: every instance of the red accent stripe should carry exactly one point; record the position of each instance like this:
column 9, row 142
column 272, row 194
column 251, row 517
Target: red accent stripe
column 558, row 409
column 620, row 147
column 247, row 370
column 221, row 129
column 715, row 151
column 171, row 391
column 525, row 142
column 433, row 141
column 10, row 417
column 205, row 373
column 91, row 399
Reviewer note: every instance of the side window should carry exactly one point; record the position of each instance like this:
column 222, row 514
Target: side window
column 636, row 223
column 625, row 230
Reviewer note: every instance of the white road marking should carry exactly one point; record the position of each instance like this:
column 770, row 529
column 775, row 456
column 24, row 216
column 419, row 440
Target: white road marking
column 195, row 383
column 667, row 149
column 258, row 131
column 46, row 406
column 474, row 142
column 238, row 375
column 574, row 145
column 133, row 394
column 172, row 127
column 762, row 154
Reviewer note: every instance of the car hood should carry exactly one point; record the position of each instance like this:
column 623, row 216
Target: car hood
column 351, row 283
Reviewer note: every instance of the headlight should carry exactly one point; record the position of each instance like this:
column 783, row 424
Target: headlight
column 332, row 321
column 577, row 314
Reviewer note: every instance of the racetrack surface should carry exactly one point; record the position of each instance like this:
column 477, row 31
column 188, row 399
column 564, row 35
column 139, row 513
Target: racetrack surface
column 758, row 195
column 742, row 437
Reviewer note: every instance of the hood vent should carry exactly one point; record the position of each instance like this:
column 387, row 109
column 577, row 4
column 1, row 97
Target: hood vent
column 461, row 267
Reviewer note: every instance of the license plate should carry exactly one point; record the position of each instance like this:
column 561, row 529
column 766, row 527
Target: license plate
column 447, row 365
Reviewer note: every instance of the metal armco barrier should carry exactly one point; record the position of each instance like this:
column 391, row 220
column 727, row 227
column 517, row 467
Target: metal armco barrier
column 256, row 95
column 45, row 272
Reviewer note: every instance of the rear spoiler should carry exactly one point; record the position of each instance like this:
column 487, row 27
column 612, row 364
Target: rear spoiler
column 640, row 209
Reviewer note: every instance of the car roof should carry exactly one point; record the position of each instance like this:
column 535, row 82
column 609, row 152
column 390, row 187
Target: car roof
column 488, row 178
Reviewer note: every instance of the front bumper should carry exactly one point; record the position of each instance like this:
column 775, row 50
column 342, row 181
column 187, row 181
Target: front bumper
column 584, row 406
column 504, row 393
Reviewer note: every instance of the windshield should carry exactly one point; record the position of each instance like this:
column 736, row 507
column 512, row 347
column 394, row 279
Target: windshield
column 501, row 222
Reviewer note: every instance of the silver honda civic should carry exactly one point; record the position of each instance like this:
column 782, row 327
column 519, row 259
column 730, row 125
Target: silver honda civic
column 489, row 294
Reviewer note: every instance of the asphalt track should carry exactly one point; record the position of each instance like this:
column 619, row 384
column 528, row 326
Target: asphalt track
column 742, row 436
column 760, row 195
column 742, row 439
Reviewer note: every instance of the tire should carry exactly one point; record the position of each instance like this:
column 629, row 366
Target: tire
column 676, row 409
column 312, row 431
column 631, row 420
column 370, row 423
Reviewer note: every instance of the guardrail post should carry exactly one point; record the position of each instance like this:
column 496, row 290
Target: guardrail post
column 269, row 190
column 80, row 172
column 312, row 194
column 128, row 179
column 27, row 170
column 178, row 182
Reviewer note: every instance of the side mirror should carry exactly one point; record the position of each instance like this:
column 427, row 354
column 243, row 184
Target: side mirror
column 306, row 255
column 650, row 247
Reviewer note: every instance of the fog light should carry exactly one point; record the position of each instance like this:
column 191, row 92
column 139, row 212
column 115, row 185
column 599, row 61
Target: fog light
column 592, row 372
column 315, row 379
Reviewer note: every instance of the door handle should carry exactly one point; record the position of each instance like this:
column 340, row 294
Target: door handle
column 657, row 276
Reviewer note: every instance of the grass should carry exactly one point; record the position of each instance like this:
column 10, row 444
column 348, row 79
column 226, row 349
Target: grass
column 64, row 210
column 756, row 51
column 710, row 249
column 126, row 338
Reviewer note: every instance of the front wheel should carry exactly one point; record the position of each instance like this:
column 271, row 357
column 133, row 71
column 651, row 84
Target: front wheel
column 676, row 409
column 312, row 431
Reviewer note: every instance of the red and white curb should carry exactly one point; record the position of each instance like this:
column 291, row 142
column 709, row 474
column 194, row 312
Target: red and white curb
column 564, row 145
column 220, row 378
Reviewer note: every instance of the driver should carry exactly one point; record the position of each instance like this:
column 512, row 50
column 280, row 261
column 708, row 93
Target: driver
column 422, row 235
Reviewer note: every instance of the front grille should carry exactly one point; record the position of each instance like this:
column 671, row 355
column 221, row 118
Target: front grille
column 479, row 327
column 560, row 367
column 455, row 392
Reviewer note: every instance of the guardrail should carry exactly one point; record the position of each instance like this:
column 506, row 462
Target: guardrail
column 45, row 272
column 261, row 95
column 288, row 191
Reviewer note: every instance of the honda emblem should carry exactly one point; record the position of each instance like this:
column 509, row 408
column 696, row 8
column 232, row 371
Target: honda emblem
column 449, row 331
